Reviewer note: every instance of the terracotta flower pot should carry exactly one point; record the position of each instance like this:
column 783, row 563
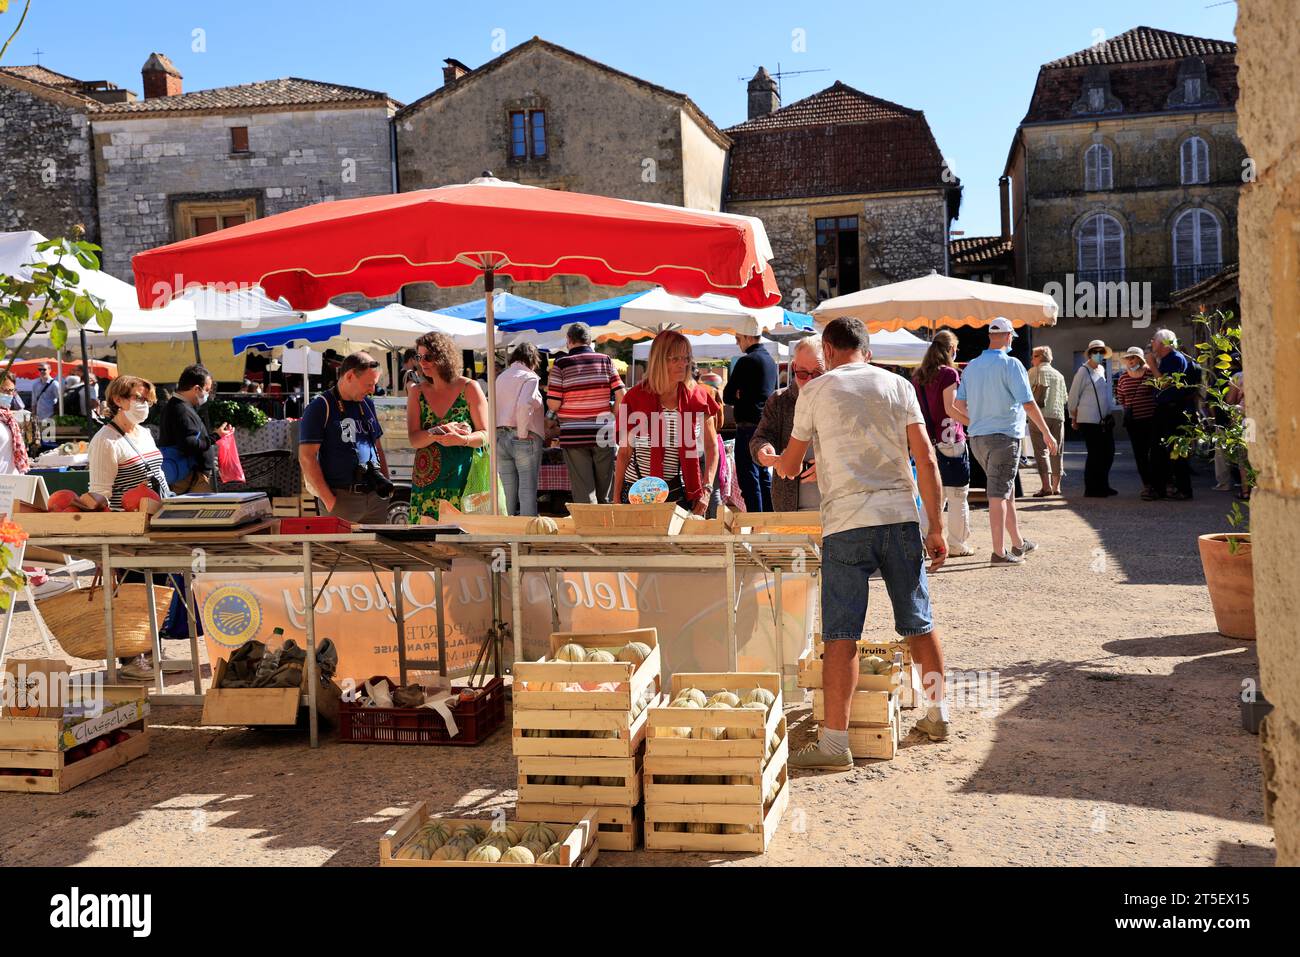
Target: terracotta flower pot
column 1230, row 578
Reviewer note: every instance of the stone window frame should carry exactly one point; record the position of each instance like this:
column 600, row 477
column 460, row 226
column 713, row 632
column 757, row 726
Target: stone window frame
column 1125, row 230
column 1175, row 216
column 528, row 106
column 835, row 210
column 1109, row 146
column 1190, row 136
column 234, row 146
column 183, row 205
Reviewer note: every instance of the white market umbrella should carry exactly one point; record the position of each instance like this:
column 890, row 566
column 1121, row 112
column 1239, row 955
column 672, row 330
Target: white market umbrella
column 897, row 348
column 934, row 301
column 710, row 347
column 396, row 326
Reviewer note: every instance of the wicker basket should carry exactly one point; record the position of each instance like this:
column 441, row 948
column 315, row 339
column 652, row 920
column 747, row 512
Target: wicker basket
column 76, row 619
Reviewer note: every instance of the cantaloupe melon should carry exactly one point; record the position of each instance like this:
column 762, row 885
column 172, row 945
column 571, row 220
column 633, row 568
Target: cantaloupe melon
column 601, row 656
column 542, row 525
column 571, row 652
column 727, row 698
column 634, row 652
column 539, row 833
column 477, row 832
column 695, row 694
column 485, row 852
column 762, row 695
column 448, row 852
column 413, row 851
column 518, row 855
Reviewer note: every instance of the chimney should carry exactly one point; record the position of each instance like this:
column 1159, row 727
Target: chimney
column 1004, row 196
column 161, row 78
column 763, row 97
column 453, row 71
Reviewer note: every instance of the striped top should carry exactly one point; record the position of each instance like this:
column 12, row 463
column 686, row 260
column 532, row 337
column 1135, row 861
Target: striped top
column 582, row 382
column 1136, row 395
column 639, row 464
column 118, row 463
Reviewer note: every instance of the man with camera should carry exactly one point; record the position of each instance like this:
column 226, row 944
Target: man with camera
column 339, row 446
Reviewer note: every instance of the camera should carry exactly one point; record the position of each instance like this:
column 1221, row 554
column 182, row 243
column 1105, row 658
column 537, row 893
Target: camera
column 378, row 481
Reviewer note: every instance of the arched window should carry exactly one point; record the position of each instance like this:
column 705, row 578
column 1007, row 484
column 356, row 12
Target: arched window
column 1101, row 249
column 1194, row 160
column 1098, row 168
column 1198, row 247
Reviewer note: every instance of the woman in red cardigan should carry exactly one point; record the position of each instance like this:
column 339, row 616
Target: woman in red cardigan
column 665, row 424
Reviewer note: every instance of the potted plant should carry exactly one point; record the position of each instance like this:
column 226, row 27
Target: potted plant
column 1225, row 556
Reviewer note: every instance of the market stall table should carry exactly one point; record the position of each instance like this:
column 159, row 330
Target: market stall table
column 771, row 553
column 258, row 551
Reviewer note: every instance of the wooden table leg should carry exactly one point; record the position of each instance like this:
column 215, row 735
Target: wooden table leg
column 152, row 602
column 516, row 602
column 442, row 623
column 780, row 627
column 106, row 565
column 192, row 626
column 399, row 616
column 732, row 599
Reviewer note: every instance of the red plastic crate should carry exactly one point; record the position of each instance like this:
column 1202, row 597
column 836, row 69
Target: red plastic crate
column 315, row 525
column 475, row 720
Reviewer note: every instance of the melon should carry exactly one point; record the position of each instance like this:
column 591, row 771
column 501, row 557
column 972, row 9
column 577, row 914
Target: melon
column 497, row 840
column 601, row 656
column 448, row 852
column 714, row 734
column 518, row 855
column 460, row 842
column 538, row 834
column 473, row 830
column 761, row 695
column 571, row 652
column 434, row 834
column 487, row 853
column 736, row 734
column 510, row 832
column 536, row 848
column 552, row 856
column 695, row 694
column 871, row 664
column 634, row 652
column 413, row 851
column 727, row 698
column 542, row 525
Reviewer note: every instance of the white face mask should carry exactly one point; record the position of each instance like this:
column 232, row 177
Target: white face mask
column 203, row 398
column 6, row 401
column 138, row 412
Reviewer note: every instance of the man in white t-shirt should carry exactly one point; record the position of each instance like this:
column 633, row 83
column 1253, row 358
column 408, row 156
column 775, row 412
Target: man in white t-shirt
column 867, row 428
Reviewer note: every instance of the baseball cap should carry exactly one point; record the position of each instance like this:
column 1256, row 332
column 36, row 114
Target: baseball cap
column 1001, row 324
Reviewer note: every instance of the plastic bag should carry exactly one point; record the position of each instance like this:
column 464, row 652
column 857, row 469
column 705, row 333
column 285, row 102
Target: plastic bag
column 228, row 463
column 478, row 487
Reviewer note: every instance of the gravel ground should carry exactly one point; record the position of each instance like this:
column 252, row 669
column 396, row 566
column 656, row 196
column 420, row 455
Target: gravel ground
column 1101, row 727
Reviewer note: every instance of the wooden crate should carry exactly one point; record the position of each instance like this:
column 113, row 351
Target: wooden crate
column 760, row 825
column 866, row 707
column 239, row 707
column 810, row 669
column 879, row 741
column 625, row 793
column 663, row 518
column 555, row 732
column 530, row 677
column 777, row 523
column 286, row 507
column 747, row 774
column 579, row 847
column 41, row 744
column 617, row 828
column 47, row 524
column 475, row 523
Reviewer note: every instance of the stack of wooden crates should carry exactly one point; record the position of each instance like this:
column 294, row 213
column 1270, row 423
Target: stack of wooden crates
column 579, row 735
column 875, row 725
column 716, row 794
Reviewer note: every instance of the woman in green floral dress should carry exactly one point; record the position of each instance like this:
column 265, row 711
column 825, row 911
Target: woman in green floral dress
column 446, row 422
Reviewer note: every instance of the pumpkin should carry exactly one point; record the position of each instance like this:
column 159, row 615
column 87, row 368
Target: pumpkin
column 539, row 834
column 542, row 525
column 725, row 697
column 518, row 855
column 571, row 652
column 448, row 852
column 601, row 656
column 695, row 694
column 634, row 652
column 487, row 853
column 761, row 695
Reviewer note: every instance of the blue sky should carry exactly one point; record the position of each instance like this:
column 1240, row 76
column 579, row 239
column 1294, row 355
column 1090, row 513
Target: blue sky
column 969, row 65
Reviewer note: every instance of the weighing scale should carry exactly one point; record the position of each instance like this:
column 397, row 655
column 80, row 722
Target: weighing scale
column 212, row 510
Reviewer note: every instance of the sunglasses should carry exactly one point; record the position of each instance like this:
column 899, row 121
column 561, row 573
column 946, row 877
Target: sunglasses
column 425, row 356
column 804, row 374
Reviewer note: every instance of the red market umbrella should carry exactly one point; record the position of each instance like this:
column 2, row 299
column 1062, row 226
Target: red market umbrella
column 27, row 368
column 452, row 235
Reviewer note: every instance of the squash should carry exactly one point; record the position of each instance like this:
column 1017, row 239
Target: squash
column 571, row 652
column 601, row 656
column 485, row 853
column 518, row 855
column 541, row 525
column 634, row 652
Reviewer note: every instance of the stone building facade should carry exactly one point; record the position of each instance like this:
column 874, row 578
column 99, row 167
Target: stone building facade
column 852, row 189
column 176, row 166
column 1124, row 179
column 543, row 115
column 46, row 161
column 1270, row 297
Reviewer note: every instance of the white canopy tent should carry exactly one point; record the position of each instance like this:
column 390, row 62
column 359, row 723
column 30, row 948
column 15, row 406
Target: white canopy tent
column 897, row 348
column 711, row 347
column 225, row 314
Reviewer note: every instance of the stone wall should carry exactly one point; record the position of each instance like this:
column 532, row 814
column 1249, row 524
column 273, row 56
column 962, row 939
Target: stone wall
column 145, row 166
column 606, row 135
column 899, row 237
column 46, row 177
column 1269, row 109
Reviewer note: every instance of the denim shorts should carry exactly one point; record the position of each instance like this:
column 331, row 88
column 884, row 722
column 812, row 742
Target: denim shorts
column 850, row 558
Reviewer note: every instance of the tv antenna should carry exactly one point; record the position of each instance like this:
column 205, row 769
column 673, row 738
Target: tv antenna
column 38, row 53
column 778, row 73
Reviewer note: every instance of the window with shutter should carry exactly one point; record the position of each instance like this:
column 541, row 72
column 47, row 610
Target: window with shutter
column 1195, row 161
column 1097, row 168
column 1198, row 247
column 1101, row 249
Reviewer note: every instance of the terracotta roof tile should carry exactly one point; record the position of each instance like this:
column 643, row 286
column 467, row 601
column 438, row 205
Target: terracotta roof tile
column 835, row 142
column 39, row 74
column 978, row 249
column 1144, row 44
column 290, row 91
